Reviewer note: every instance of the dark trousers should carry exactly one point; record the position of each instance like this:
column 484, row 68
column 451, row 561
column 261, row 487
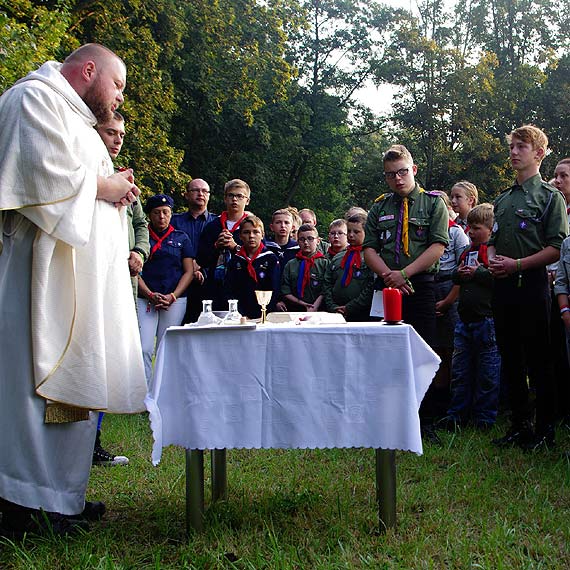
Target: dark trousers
column 522, row 326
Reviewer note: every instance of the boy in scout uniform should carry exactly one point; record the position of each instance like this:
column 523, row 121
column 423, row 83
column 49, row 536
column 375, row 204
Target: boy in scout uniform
column 349, row 282
column 303, row 276
column 530, row 225
column 406, row 234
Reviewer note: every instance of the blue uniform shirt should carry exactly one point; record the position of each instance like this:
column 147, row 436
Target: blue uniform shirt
column 192, row 226
column 163, row 270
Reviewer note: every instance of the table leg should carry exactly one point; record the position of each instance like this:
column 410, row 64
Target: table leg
column 386, row 488
column 219, row 475
column 194, row 490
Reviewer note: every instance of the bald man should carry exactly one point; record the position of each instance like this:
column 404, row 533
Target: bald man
column 69, row 342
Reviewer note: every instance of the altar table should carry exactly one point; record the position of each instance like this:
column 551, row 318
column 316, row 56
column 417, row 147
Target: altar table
column 289, row 386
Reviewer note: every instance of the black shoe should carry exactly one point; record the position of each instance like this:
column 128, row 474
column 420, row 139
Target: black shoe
column 517, row 435
column 93, row 511
column 542, row 441
column 16, row 524
column 103, row 457
column 429, row 434
column 448, row 423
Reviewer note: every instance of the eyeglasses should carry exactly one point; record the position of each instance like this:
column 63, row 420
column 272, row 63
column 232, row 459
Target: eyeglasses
column 308, row 239
column 337, row 234
column 233, row 196
column 401, row 173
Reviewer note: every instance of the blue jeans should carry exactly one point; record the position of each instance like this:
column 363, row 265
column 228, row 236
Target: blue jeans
column 475, row 372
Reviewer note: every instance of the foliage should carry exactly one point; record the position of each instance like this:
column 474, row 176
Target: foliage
column 29, row 36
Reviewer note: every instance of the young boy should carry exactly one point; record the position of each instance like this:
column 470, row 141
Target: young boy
column 282, row 246
column 530, row 225
column 303, row 276
column 349, row 283
column 337, row 236
column 476, row 363
column 252, row 268
column 219, row 239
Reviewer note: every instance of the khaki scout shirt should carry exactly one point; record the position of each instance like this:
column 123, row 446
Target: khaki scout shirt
column 528, row 218
column 428, row 222
column 315, row 286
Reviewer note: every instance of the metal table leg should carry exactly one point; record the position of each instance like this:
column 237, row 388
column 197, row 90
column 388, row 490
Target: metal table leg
column 194, row 490
column 219, row 474
column 386, row 488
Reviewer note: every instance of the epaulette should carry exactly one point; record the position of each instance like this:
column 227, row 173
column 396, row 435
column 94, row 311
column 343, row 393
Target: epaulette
column 433, row 194
column 549, row 187
column 383, row 196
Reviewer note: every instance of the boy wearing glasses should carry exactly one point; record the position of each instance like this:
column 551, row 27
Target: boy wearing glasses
column 406, row 234
column 337, row 236
column 220, row 239
column 303, row 276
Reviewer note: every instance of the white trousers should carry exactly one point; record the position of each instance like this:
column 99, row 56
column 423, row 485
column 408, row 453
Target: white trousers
column 153, row 324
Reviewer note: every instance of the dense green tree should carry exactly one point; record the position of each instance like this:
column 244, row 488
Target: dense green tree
column 29, row 36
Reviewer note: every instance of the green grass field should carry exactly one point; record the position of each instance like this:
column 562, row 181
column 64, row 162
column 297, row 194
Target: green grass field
column 460, row 505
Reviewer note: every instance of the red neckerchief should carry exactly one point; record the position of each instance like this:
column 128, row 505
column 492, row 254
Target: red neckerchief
column 307, row 264
column 333, row 251
column 452, row 223
column 243, row 255
column 482, row 257
column 353, row 252
column 224, row 220
column 158, row 239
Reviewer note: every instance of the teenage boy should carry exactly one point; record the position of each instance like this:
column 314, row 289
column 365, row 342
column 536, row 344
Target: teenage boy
column 349, row 283
column 219, row 239
column 337, row 237
column 406, row 234
column 530, row 225
column 283, row 246
column 252, row 268
column 476, row 364
column 303, row 276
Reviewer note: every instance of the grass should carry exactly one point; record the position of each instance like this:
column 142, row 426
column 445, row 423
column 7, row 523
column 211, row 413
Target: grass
column 461, row 505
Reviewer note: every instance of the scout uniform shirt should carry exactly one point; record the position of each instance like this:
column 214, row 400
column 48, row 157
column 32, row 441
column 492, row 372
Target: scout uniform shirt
column 528, row 218
column 315, row 285
column 349, row 286
column 386, row 227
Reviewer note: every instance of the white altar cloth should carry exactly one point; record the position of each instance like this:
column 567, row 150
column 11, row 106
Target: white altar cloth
column 287, row 386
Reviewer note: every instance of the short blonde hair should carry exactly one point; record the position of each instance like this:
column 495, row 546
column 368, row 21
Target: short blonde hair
column 282, row 212
column 469, row 188
column 236, row 183
column 397, row 152
column 530, row 134
column 482, row 214
column 255, row 222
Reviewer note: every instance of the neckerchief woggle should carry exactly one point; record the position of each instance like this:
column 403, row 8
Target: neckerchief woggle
column 250, row 269
column 159, row 239
column 304, row 277
column 353, row 252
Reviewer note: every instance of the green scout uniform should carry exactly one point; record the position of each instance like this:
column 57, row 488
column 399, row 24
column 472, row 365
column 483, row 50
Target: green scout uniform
column 138, row 236
column 528, row 218
column 315, row 286
column 428, row 222
column 356, row 296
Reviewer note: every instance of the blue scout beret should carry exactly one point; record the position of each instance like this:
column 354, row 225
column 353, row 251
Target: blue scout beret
column 158, row 200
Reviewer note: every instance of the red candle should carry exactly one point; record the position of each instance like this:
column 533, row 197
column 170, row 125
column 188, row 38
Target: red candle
column 392, row 299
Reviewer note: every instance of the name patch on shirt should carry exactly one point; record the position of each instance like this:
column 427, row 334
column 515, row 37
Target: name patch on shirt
column 386, row 217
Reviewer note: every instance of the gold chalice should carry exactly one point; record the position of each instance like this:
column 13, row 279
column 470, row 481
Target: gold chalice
column 263, row 298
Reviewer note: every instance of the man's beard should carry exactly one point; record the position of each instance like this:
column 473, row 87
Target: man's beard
column 94, row 99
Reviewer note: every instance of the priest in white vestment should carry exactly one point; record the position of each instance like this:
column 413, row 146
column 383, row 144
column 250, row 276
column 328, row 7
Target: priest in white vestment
column 69, row 340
